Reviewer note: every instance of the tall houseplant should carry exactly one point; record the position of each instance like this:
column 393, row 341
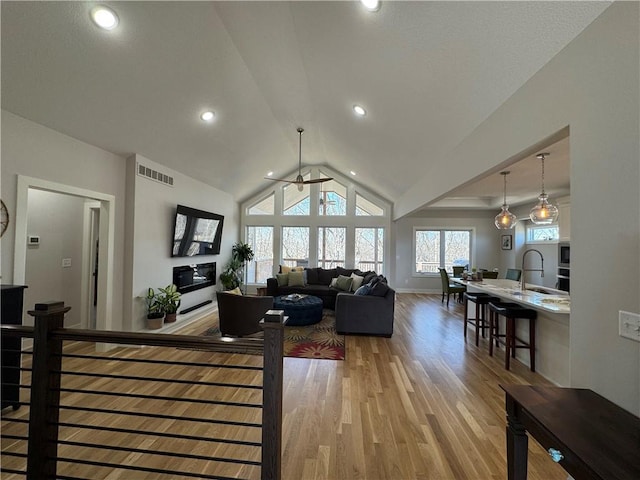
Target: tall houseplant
column 233, row 274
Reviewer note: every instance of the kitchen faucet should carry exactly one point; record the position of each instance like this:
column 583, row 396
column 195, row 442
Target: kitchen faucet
column 525, row 270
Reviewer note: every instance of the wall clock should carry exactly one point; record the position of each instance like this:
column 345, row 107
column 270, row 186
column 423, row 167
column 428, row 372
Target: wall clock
column 4, row 218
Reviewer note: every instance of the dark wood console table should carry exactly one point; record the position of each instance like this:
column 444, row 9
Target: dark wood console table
column 589, row 436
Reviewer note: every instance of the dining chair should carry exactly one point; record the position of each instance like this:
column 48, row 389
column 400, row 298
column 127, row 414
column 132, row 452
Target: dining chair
column 513, row 274
column 457, row 271
column 448, row 287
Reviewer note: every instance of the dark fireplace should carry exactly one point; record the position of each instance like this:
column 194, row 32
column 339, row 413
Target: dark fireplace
column 194, row 277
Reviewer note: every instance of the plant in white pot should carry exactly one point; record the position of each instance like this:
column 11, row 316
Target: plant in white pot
column 155, row 313
column 170, row 300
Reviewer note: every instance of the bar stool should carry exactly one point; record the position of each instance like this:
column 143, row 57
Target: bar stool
column 512, row 312
column 479, row 322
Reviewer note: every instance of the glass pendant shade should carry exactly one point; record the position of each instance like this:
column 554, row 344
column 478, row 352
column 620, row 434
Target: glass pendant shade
column 505, row 220
column 543, row 213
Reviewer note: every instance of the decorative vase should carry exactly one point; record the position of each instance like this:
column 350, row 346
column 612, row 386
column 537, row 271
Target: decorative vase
column 170, row 318
column 154, row 323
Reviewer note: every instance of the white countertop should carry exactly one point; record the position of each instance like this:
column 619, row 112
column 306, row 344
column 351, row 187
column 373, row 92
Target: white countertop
column 556, row 301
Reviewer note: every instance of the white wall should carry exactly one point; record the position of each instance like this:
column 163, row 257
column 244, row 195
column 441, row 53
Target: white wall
column 37, row 151
column 592, row 86
column 150, row 215
column 57, row 220
column 143, row 260
column 486, row 252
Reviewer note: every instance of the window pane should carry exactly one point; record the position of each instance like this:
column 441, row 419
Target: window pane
column 331, row 246
column 263, row 207
column 365, row 207
column 333, row 198
column 457, row 245
column 295, row 246
column 296, row 202
column 427, row 251
column 369, row 254
column 261, row 241
column 542, row 233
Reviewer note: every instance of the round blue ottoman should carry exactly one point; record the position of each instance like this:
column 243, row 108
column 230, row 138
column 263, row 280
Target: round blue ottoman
column 304, row 311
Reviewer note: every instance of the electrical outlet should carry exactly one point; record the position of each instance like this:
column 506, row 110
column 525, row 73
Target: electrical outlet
column 629, row 325
column 66, row 262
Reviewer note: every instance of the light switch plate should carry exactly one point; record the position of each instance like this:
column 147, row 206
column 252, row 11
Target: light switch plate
column 66, row 262
column 629, row 325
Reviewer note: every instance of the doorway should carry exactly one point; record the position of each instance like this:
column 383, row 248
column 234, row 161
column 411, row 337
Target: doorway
column 99, row 228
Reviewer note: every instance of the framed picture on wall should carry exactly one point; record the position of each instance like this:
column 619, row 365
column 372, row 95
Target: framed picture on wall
column 506, row 242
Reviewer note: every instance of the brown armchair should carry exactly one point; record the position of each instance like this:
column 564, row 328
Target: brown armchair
column 240, row 315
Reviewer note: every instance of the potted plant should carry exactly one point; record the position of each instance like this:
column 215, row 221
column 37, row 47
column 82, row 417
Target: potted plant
column 229, row 277
column 155, row 313
column 169, row 298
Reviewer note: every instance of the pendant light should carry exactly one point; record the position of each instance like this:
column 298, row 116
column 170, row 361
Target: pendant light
column 543, row 213
column 505, row 220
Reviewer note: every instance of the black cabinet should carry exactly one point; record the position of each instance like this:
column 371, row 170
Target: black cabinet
column 11, row 314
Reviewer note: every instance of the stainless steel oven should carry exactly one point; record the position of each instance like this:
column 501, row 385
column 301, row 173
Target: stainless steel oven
column 564, row 255
column 564, row 279
column 564, row 267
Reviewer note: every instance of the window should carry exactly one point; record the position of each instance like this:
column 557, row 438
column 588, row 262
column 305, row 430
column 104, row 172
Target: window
column 333, row 198
column 370, row 249
column 542, row 233
column 261, row 241
column 331, row 246
column 263, row 207
column 295, row 246
column 365, row 207
column 438, row 248
column 296, row 202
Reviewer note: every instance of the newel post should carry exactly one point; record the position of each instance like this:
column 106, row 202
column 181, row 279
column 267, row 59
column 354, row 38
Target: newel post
column 45, row 390
column 273, row 325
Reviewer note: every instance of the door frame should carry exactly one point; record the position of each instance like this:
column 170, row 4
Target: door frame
column 104, row 314
column 88, row 251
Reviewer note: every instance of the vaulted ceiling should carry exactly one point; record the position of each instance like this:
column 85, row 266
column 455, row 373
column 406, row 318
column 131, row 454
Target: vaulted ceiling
column 427, row 73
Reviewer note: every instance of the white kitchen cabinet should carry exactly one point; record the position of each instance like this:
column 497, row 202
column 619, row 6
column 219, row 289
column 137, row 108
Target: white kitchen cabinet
column 564, row 219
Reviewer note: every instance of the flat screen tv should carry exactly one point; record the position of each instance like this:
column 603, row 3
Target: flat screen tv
column 196, row 232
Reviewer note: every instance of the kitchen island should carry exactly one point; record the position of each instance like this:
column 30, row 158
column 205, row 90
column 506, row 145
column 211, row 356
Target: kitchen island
column 552, row 324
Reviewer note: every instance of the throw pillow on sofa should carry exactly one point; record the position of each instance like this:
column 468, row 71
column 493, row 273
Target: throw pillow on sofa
column 296, row 279
column 283, row 279
column 380, row 289
column 363, row 290
column 357, row 282
column 344, row 283
column 235, row 291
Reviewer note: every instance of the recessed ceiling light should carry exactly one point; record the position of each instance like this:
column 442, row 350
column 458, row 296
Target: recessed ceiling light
column 359, row 110
column 371, row 5
column 269, row 174
column 352, row 173
column 104, row 17
column 208, row 116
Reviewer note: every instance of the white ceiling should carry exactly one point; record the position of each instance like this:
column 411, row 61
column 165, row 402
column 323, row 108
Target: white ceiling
column 428, row 73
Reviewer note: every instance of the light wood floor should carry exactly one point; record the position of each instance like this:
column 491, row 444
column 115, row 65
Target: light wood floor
column 421, row 405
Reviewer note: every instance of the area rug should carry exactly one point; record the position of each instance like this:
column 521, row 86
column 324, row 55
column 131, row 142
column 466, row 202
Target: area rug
column 319, row 341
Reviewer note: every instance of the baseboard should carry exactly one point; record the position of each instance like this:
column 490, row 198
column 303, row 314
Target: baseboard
column 429, row 291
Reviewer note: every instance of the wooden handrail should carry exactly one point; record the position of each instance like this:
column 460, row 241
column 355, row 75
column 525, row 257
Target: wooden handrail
column 48, row 334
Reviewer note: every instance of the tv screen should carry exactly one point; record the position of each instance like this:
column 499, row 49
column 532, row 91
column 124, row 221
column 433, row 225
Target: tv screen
column 196, row 232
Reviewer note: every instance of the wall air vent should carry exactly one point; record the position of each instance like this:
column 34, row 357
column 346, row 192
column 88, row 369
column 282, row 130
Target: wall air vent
column 154, row 175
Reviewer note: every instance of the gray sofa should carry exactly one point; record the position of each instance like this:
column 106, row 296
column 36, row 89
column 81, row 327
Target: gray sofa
column 317, row 284
column 365, row 314
column 355, row 314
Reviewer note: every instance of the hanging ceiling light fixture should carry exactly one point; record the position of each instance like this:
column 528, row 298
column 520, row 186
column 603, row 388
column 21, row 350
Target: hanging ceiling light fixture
column 543, row 213
column 505, row 219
